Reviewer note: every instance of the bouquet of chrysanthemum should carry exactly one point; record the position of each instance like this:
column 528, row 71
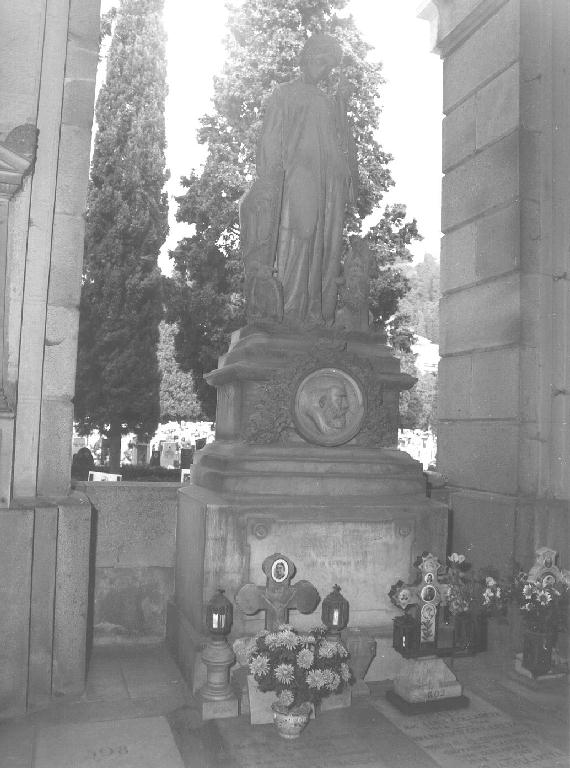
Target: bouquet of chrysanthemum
column 543, row 604
column 299, row 666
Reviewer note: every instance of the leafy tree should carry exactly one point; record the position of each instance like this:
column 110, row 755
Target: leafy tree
column 178, row 400
column 419, row 408
column 265, row 40
column 117, row 386
column 421, row 303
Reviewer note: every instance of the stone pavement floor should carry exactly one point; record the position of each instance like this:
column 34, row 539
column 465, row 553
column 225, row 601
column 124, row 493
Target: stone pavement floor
column 136, row 712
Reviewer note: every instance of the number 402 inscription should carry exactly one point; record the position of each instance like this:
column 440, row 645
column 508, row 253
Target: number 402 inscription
column 105, row 752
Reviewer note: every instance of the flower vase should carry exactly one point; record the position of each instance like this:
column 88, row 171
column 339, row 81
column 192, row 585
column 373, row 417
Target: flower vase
column 290, row 722
column 537, row 651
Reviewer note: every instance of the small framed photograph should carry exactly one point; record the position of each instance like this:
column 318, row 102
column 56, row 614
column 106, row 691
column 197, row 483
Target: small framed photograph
column 279, row 570
column 428, row 593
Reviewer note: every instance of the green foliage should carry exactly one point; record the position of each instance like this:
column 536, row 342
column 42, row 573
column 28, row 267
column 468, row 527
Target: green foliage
column 418, row 406
column 117, row 386
column 422, row 301
column 421, row 411
column 178, row 400
column 265, row 40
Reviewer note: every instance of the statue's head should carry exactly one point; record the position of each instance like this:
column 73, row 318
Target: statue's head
column 320, row 54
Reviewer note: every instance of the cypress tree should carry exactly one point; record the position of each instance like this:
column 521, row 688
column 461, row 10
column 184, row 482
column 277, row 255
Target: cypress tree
column 118, row 378
column 264, row 42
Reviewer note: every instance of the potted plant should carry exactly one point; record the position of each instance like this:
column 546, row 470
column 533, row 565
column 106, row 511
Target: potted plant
column 543, row 604
column 302, row 668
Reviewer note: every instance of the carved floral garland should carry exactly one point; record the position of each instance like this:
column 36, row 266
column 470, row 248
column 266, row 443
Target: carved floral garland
column 272, row 419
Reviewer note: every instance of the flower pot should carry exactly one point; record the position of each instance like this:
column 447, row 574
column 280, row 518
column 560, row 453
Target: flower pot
column 290, row 722
column 537, row 651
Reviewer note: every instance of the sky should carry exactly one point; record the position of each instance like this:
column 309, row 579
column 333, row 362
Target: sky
column 410, row 125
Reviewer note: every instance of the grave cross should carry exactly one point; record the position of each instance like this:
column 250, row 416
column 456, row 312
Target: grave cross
column 426, row 596
column 545, row 569
column 279, row 596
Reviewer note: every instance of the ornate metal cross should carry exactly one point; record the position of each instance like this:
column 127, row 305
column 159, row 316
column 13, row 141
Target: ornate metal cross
column 426, row 596
column 279, row 596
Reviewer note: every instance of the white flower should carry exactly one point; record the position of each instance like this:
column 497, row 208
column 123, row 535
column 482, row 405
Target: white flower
column 490, row 581
column 327, row 649
column 259, row 666
column 455, row 558
column 341, row 650
column 289, row 639
column 305, row 658
column 332, row 679
column 284, row 673
column 315, row 679
column 272, row 639
column 284, row 627
column 345, row 672
column 306, row 639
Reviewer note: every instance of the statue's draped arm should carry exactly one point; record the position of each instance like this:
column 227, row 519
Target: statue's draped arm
column 270, row 147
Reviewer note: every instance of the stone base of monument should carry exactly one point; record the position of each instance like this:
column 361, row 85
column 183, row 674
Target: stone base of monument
column 426, row 684
column 214, row 710
column 336, row 701
column 348, row 511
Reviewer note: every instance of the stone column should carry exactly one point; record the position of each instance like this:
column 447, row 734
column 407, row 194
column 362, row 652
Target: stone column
column 504, row 390
column 48, row 62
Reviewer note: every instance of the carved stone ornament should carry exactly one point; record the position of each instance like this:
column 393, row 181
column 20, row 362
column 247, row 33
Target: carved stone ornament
column 328, row 407
column 17, row 154
column 328, row 396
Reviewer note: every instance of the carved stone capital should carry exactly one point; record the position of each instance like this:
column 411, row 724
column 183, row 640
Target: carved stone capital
column 452, row 21
column 17, row 157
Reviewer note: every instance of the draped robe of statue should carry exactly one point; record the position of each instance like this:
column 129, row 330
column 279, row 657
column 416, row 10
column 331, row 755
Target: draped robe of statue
column 306, row 145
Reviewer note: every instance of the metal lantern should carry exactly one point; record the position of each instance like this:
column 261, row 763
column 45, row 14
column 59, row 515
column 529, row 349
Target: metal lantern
column 219, row 614
column 218, row 698
column 406, row 638
column 334, row 613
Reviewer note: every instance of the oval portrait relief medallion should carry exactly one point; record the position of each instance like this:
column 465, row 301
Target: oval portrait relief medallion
column 328, row 407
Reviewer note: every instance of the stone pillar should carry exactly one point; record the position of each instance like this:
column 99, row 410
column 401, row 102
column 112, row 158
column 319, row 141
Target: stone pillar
column 503, row 436
column 48, row 61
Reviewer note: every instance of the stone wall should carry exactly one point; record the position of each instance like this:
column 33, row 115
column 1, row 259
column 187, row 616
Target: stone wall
column 504, row 399
column 134, row 559
column 44, row 577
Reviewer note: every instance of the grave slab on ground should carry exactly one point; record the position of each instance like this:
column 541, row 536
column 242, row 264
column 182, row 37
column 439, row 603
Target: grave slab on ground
column 145, row 742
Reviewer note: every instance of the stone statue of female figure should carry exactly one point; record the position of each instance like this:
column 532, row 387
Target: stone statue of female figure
column 292, row 217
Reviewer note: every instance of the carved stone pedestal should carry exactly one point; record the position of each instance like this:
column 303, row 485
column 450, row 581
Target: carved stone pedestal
column 424, row 684
column 302, row 463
